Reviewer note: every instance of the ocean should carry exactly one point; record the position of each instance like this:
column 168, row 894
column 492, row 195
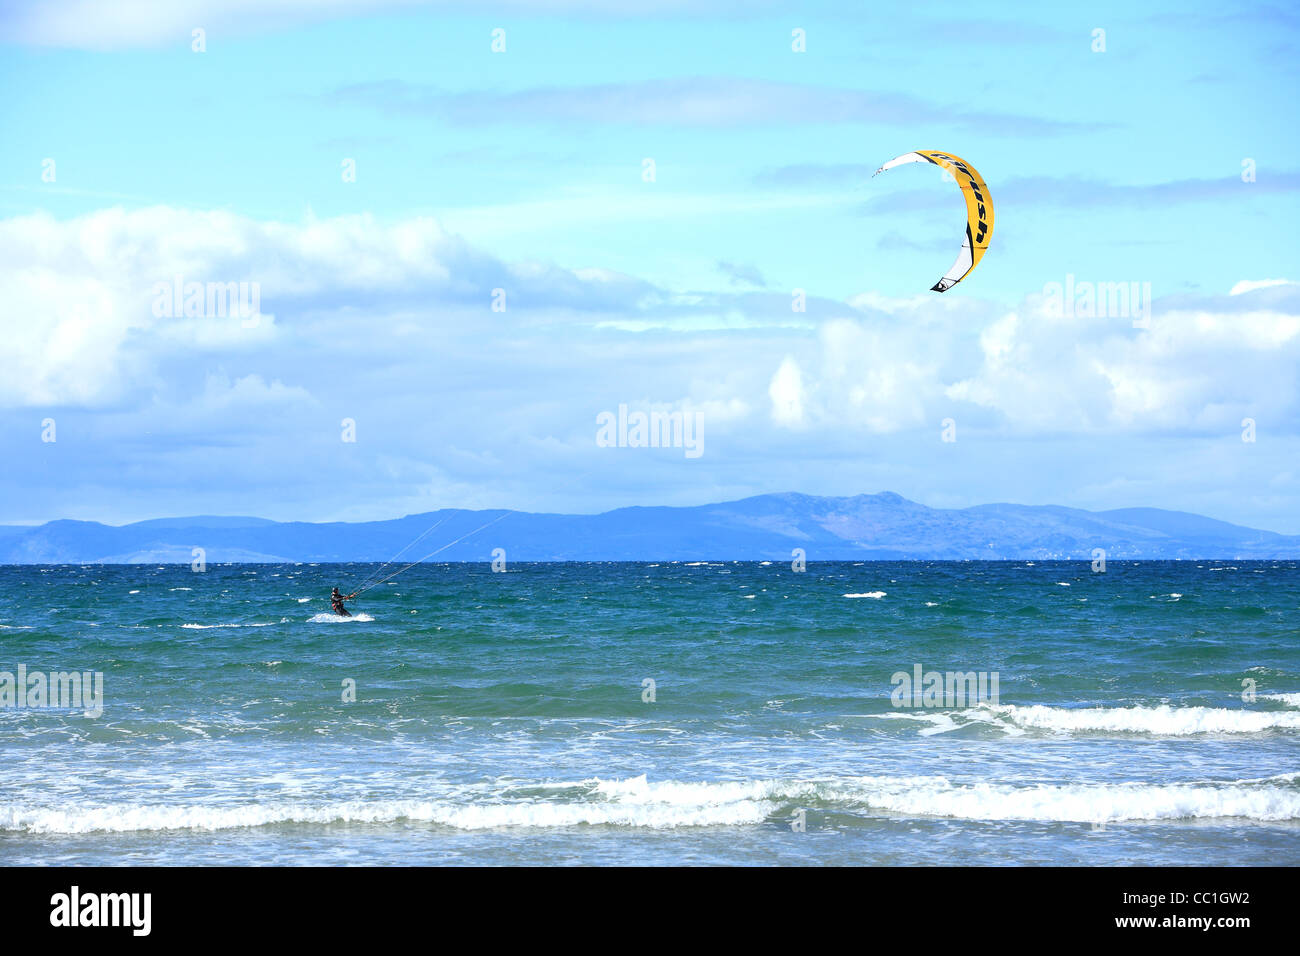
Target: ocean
column 655, row 714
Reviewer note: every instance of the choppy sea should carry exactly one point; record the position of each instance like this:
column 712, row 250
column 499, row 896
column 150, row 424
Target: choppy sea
column 654, row 713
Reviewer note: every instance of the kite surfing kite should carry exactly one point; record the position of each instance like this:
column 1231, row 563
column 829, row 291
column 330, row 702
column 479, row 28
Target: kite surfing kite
column 979, row 210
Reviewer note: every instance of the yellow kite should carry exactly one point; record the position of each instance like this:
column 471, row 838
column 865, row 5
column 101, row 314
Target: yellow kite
column 979, row 210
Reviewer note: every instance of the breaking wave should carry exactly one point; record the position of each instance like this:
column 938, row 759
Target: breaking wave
column 1164, row 720
column 636, row 802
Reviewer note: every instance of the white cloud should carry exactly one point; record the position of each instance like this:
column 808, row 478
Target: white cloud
column 85, row 333
column 1191, row 371
column 1250, row 285
column 83, row 294
column 390, row 324
column 1028, row 371
column 786, row 394
column 250, row 390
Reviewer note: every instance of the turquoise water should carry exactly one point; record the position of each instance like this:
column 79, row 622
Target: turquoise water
column 503, row 717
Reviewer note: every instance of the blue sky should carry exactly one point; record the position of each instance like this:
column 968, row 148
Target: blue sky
column 522, row 170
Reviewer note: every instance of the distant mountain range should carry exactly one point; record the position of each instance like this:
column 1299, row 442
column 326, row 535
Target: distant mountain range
column 766, row 527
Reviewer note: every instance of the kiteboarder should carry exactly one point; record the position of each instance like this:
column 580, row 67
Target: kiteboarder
column 336, row 602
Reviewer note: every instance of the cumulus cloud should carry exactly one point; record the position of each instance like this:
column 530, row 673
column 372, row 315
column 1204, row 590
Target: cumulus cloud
column 88, row 290
column 786, row 393
column 391, row 325
column 1033, row 370
column 105, row 297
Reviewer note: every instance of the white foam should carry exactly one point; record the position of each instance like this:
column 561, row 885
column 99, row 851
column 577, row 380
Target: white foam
column 208, row 627
column 573, row 814
column 1162, row 721
column 940, row 723
column 633, row 803
column 636, row 802
column 337, row 618
column 1271, row 801
column 639, row 790
column 877, row 595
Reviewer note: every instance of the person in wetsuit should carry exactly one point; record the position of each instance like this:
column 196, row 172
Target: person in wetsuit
column 336, row 602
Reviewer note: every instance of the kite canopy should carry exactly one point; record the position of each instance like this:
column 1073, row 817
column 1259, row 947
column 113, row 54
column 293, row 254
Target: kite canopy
column 979, row 210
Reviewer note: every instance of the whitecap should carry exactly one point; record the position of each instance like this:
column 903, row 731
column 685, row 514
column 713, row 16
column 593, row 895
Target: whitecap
column 1165, row 720
column 638, row 803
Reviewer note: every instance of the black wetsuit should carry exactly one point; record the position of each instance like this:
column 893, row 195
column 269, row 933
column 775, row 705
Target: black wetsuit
column 336, row 602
